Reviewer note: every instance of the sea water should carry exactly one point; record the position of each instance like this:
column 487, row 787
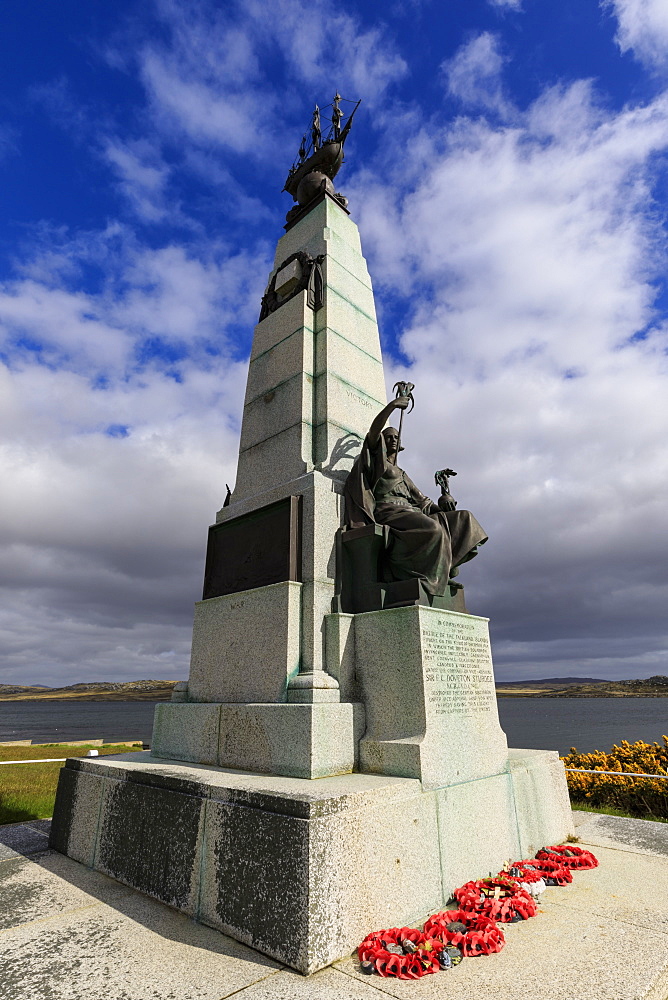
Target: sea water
column 59, row 721
column 530, row 723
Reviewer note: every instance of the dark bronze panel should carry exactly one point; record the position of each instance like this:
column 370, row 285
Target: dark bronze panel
column 254, row 550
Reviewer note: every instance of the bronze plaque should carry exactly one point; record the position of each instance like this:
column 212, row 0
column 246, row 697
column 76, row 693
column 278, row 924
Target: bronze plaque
column 254, row 550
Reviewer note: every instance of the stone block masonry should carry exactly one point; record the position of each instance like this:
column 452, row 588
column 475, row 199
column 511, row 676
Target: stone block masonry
column 300, row 870
column 427, row 680
column 320, row 774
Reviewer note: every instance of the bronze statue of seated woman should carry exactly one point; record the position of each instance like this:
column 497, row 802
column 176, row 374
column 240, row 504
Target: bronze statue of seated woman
column 426, row 541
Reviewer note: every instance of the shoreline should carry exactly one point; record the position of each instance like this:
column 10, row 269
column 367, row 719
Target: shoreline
column 159, row 697
column 582, row 694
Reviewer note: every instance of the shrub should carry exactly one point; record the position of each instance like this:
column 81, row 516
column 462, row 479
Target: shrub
column 637, row 796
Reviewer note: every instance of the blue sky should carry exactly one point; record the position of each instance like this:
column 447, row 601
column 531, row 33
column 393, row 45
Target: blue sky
column 507, row 170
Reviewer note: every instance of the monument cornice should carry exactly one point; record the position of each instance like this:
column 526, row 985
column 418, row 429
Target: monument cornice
column 307, row 209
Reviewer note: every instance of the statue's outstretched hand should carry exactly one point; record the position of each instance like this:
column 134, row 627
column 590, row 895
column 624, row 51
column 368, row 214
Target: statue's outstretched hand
column 401, row 402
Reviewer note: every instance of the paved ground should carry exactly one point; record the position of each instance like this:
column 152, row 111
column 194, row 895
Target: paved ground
column 67, row 933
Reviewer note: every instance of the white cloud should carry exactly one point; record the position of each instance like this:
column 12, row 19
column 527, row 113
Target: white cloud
column 8, row 141
column 206, row 113
column 642, row 29
column 530, row 254
column 61, row 326
column 210, row 81
column 328, row 46
column 142, row 174
column 168, row 293
column 103, row 536
column 474, row 73
column 114, row 457
column 176, row 296
column 506, row 4
column 526, row 251
column 121, row 385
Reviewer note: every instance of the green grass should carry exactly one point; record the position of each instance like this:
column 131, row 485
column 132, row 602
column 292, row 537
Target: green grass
column 28, row 791
column 612, row 811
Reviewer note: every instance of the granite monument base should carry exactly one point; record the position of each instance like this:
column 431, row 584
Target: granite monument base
column 426, row 678
column 289, row 740
column 246, row 646
column 302, row 870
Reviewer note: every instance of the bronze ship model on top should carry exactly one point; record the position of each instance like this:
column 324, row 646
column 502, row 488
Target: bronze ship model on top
column 320, row 157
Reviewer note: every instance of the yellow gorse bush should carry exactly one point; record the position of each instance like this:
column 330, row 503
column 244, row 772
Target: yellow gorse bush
column 639, row 796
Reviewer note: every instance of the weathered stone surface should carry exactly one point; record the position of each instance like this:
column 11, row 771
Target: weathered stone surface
column 63, row 810
column 428, row 685
column 255, row 476
column 26, row 896
column 288, row 278
column 180, row 691
column 637, row 836
column 74, row 934
column 541, row 795
column 349, row 412
column 309, row 688
column 340, row 646
column 305, row 869
column 298, row 740
column 246, row 646
column 291, row 356
column 187, row 732
column 299, row 869
column 329, row 984
column 350, row 280
column 373, row 867
column 477, row 829
column 600, row 892
column 149, row 838
column 21, row 840
column 284, row 406
column 315, row 381
column 76, row 813
column 293, row 317
column 325, row 228
column 258, row 894
column 322, row 512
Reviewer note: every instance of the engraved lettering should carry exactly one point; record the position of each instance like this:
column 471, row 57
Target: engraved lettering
column 458, row 676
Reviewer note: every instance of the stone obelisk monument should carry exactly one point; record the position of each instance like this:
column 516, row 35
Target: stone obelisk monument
column 334, row 763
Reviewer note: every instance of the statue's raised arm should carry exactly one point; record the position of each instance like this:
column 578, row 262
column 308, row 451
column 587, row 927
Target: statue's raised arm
column 376, row 429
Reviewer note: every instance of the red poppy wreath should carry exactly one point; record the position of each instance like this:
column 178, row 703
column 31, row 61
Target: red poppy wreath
column 569, row 855
column 473, row 933
column 400, row 952
column 499, row 898
column 552, row 871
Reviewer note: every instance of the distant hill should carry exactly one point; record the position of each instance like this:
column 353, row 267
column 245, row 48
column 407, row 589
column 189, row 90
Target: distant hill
column 144, row 690
column 155, row 690
column 553, row 682
column 583, row 687
column 17, row 688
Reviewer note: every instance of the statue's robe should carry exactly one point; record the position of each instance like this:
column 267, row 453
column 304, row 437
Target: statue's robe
column 425, row 542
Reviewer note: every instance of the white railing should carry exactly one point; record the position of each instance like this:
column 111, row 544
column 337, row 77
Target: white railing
column 41, row 760
column 624, row 774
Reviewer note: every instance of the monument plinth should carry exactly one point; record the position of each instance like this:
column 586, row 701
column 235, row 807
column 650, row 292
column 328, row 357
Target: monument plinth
column 428, row 685
column 323, row 648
